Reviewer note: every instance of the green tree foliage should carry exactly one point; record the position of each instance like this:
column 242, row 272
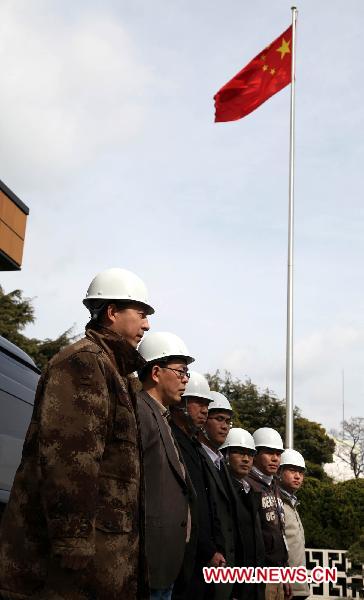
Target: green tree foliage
column 332, row 514
column 356, row 553
column 16, row 312
column 254, row 409
column 312, row 440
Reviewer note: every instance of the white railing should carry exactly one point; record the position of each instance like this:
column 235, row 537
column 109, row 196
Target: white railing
column 347, row 586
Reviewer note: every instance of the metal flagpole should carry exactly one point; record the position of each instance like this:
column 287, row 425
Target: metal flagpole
column 343, row 399
column 289, row 341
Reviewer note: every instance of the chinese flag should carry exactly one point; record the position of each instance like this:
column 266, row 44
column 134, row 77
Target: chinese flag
column 264, row 76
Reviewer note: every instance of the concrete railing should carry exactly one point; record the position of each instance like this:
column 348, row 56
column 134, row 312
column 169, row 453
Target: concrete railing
column 347, row 585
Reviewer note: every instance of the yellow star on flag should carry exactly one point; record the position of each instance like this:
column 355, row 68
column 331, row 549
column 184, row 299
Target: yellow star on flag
column 284, row 48
column 265, row 75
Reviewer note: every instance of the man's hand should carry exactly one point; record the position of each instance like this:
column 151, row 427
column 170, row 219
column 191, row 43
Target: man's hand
column 287, row 588
column 76, row 563
column 218, row 560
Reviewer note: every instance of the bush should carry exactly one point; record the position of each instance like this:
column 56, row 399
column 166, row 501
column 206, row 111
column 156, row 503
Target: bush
column 332, row 514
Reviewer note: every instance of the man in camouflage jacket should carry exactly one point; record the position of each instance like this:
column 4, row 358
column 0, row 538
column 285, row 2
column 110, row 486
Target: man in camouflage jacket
column 73, row 527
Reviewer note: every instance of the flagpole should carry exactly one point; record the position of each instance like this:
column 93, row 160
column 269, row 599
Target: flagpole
column 289, row 341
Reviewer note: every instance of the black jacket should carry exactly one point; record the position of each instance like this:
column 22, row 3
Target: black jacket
column 224, row 507
column 190, row 448
column 252, row 539
column 228, row 527
column 194, row 587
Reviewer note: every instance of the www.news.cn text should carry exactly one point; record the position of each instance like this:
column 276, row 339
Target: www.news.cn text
column 317, row 575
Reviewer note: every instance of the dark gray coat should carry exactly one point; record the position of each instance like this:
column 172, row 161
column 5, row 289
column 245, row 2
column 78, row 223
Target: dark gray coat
column 166, row 496
column 252, row 540
column 224, row 501
column 199, row 551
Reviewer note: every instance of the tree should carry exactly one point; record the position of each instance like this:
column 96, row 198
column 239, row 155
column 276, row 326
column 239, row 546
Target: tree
column 351, row 449
column 356, row 552
column 312, row 441
column 254, row 409
column 332, row 513
column 16, row 312
column 356, row 556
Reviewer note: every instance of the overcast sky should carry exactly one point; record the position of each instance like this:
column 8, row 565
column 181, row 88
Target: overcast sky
column 107, row 134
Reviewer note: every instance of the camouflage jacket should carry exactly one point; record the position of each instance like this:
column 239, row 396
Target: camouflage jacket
column 77, row 490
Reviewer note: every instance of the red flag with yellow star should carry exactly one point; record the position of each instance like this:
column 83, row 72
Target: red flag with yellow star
column 264, row 76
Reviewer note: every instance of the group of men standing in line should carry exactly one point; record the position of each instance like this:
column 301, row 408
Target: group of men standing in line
column 129, row 486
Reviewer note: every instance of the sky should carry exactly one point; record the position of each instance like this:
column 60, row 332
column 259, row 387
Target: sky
column 108, row 135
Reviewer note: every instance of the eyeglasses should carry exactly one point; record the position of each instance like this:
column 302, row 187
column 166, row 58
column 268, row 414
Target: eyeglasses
column 181, row 373
column 221, row 419
column 242, row 451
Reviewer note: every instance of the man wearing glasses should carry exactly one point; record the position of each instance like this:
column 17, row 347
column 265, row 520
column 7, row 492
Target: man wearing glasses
column 239, row 450
column 189, row 418
column 167, row 486
column 224, row 499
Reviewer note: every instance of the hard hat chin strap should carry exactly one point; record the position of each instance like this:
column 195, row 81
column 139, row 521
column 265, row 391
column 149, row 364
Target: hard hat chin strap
column 189, row 423
column 182, row 407
column 96, row 309
column 194, row 429
column 208, row 438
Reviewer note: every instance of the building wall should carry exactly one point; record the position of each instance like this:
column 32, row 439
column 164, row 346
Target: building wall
column 13, row 218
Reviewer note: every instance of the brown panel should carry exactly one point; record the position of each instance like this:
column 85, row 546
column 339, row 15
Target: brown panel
column 6, row 264
column 10, row 243
column 12, row 215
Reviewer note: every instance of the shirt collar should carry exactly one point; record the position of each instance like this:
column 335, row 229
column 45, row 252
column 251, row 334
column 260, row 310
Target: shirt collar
column 162, row 409
column 291, row 497
column 243, row 484
column 216, row 457
column 266, row 478
column 246, row 486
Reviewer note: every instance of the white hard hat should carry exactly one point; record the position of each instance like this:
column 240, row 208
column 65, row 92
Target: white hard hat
column 219, row 402
column 118, row 284
column 292, row 457
column 197, row 386
column 239, row 438
column 162, row 345
column 268, row 437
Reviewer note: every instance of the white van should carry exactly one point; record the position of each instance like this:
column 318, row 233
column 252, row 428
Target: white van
column 18, row 381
